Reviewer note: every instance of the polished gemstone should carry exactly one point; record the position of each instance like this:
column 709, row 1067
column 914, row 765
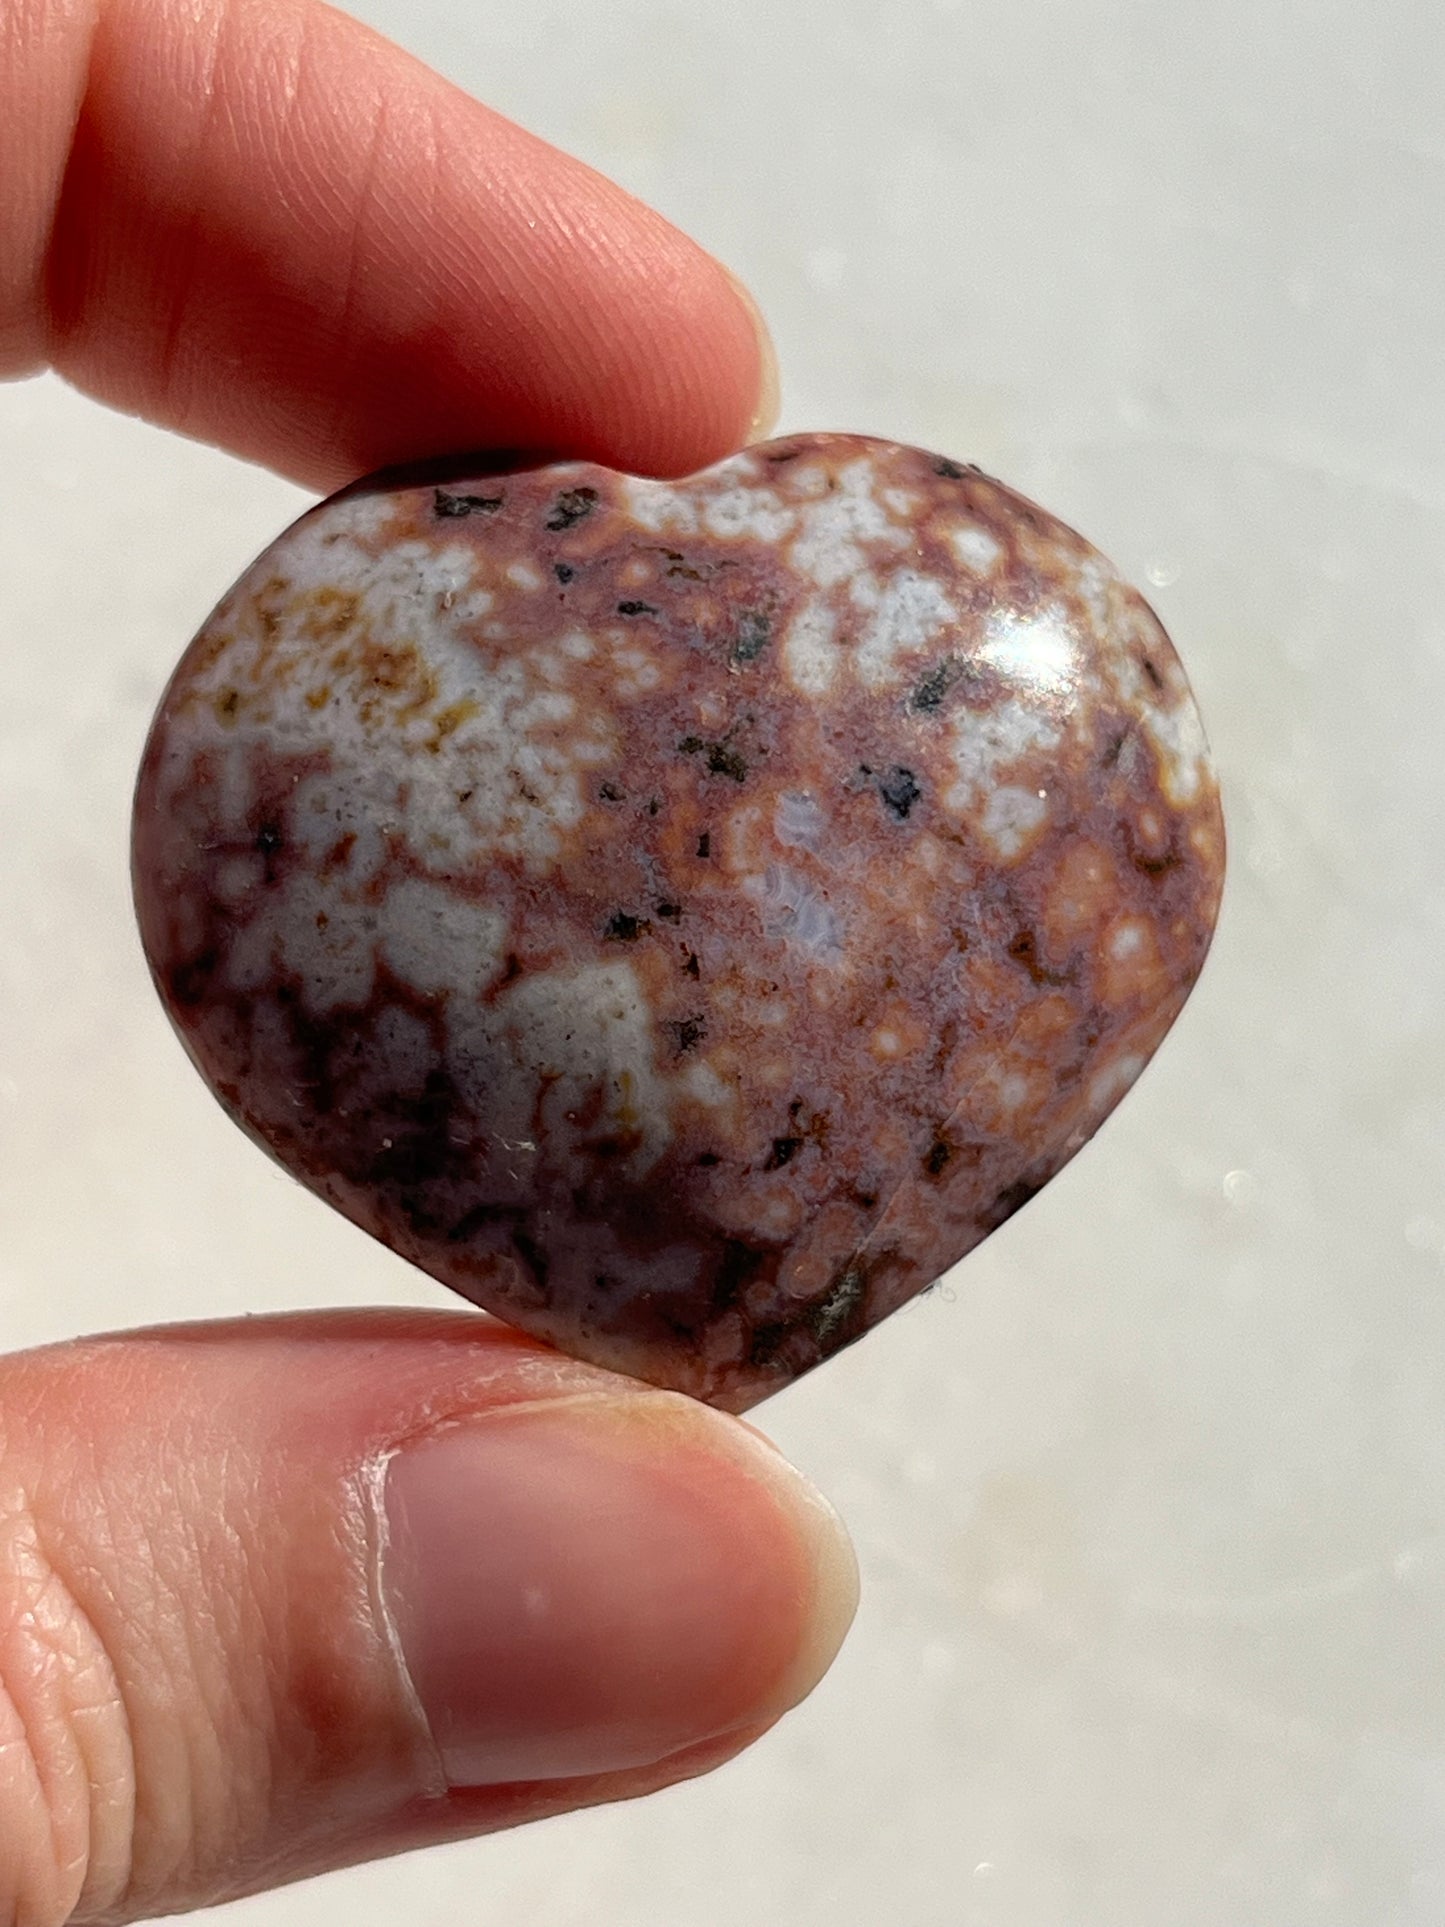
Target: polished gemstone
column 684, row 918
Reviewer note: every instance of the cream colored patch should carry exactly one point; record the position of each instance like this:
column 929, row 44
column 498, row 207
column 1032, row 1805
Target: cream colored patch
column 1109, row 1084
column 635, row 670
column 1011, row 819
column 437, row 941
column 702, row 1083
column 1096, row 585
column 370, row 516
column 429, row 742
column 905, row 503
column 911, row 613
column 571, row 1056
column 977, row 551
column 989, row 742
column 832, row 527
column 314, row 934
column 239, row 877
column 754, row 513
column 659, row 509
column 810, row 655
column 1178, row 737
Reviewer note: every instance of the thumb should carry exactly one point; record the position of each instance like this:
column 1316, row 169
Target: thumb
column 280, row 1595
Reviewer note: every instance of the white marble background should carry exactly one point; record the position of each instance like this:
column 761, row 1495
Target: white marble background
column 1149, row 1500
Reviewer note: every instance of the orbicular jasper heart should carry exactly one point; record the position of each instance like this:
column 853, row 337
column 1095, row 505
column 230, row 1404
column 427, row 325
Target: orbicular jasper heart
column 684, row 918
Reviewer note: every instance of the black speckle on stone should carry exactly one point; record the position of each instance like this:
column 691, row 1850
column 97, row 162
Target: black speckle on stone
column 572, row 506
column 654, row 805
column 670, row 911
column 900, row 790
column 190, row 982
column 939, row 1154
column 445, row 504
column 610, row 793
column 740, row 1263
column 723, row 761
column 930, row 693
column 688, row 1032
column 636, row 609
column 952, row 470
column 269, row 840
column 767, row 1341
column 704, row 844
column 708, row 1159
column 1156, row 680
column 690, row 968
column 465, row 796
column 563, row 571
column 784, row 1150
column 722, row 758
column 755, row 632
column 1114, row 748
column 778, row 456
column 623, row 927
column 1157, row 866
column 1012, row 1198
column 422, row 1217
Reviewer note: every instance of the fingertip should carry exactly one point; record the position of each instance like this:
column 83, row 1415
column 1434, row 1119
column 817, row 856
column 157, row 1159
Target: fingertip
column 830, row 1586
column 595, row 1586
column 834, row 1593
column 768, row 405
column 375, row 1580
column 280, row 233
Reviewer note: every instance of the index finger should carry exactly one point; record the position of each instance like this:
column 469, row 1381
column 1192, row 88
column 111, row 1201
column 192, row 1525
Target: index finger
column 261, row 224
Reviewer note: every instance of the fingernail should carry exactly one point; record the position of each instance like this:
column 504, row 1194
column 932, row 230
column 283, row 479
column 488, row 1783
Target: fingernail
column 765, row 416
column 593, row 1585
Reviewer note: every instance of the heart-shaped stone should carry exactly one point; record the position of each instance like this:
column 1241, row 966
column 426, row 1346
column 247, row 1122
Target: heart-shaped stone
column 684, row 918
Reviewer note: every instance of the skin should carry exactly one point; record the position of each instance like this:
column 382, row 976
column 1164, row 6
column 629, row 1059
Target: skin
column 262, row 226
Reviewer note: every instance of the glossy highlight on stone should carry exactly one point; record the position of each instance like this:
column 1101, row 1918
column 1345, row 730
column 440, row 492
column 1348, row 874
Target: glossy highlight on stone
column 684, row 918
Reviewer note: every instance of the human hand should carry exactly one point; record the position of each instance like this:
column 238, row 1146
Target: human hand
column 287, row 1594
